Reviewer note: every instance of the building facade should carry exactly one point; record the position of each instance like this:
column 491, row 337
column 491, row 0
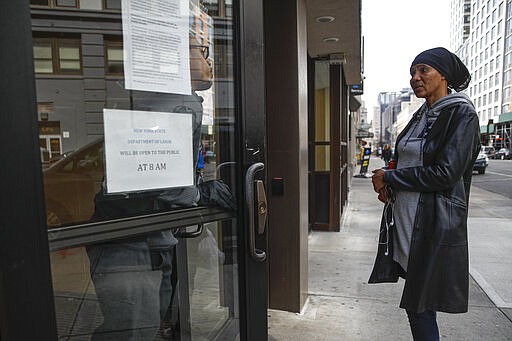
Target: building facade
column 487, row 51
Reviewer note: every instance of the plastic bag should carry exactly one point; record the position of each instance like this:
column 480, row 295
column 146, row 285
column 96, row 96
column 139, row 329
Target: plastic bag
column 208, row 250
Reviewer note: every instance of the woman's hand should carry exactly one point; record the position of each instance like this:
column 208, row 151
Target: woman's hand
column 378, row 180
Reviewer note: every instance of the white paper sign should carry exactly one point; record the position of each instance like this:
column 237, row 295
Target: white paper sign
column 156, row 45
column 147, row 150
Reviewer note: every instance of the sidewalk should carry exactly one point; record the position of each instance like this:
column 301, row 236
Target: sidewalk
column 343, row 306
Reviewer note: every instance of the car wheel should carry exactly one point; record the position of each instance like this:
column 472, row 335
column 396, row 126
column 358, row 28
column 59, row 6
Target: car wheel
column 481, row 171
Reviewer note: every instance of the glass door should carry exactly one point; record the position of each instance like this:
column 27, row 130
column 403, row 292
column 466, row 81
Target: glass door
column 149, row 206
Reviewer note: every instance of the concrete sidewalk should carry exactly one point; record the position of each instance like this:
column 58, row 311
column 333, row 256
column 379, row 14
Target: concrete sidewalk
column 343, row 306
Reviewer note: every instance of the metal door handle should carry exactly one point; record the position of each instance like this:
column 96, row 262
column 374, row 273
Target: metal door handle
column 257, row 255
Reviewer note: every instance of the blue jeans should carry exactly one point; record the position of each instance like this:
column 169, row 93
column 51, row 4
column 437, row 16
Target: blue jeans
column 423, row 325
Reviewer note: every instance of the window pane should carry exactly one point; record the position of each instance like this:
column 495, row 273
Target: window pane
column 39, row 2
column 69, row 65
column 113, row 67
column 55, row 146
column 113, row 4
column 69, row 58
column 69, row 53
column 43, row 66
column 115, row 60
column 115, row 54
column 322, row 102
column 322, row 158
column 66, row 3
column 42, row 52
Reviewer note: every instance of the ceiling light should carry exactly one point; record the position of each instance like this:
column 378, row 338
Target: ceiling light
column 331, row 40
column 325, row 19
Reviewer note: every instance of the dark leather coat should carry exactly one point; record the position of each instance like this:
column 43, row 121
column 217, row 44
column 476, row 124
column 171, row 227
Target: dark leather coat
column 438, row 270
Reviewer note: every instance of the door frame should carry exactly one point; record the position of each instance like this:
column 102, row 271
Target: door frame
column 251, row 96
column 24, row 249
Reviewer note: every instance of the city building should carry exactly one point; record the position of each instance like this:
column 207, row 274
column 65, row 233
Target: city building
column 485, row 45
column 167, row 160
column 407, row 110
column 389, row 107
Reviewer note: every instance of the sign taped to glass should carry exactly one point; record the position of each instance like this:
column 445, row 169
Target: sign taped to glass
column 156, row 46
column 147, row 150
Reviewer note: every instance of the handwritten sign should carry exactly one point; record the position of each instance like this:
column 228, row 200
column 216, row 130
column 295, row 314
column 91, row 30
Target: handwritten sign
column 147, row 150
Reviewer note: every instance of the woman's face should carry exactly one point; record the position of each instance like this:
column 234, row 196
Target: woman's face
column 428, row 83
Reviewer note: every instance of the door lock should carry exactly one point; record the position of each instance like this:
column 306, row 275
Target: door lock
column 262, row 206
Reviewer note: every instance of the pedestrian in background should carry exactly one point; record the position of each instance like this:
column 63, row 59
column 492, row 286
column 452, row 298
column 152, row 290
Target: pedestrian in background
column 386, row 154
column 424, row 227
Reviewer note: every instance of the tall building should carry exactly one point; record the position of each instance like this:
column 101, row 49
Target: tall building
column 460, row 12
column 389, row 107
column 481, row 35
column 480, row 42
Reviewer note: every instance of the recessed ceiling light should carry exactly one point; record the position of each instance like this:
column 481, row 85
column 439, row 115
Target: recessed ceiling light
column 331, row 40
column 325, row 19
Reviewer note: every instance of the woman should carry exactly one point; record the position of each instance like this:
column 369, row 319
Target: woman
column 424, row 226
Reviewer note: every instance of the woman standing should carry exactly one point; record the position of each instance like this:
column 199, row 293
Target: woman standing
column 424, row 226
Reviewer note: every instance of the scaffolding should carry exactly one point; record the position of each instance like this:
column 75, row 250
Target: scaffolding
column 503, row 133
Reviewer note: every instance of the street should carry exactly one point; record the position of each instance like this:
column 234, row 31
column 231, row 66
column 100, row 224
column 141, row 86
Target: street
column 490, row 233
column 497, row 178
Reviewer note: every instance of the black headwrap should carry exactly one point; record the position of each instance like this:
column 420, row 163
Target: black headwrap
column 448, row 64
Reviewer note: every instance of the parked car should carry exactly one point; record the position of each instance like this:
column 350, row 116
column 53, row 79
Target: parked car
column 71, row 183
column 503, row 154
column 489, row 151
column 481, row 163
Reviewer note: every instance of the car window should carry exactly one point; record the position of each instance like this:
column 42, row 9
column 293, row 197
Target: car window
column 87, row 161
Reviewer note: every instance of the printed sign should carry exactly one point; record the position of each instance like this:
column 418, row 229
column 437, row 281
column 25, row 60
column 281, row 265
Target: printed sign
column 156, row 45
column 147, row 150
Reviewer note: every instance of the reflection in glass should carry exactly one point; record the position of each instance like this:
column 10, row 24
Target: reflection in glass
column 114, row 58
column 322, row 102
column 322, row 158
column 212, row 281
column 43, row 56
column 130, row 289
column 159, row 285
column 69, row 58
column 39, row 2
